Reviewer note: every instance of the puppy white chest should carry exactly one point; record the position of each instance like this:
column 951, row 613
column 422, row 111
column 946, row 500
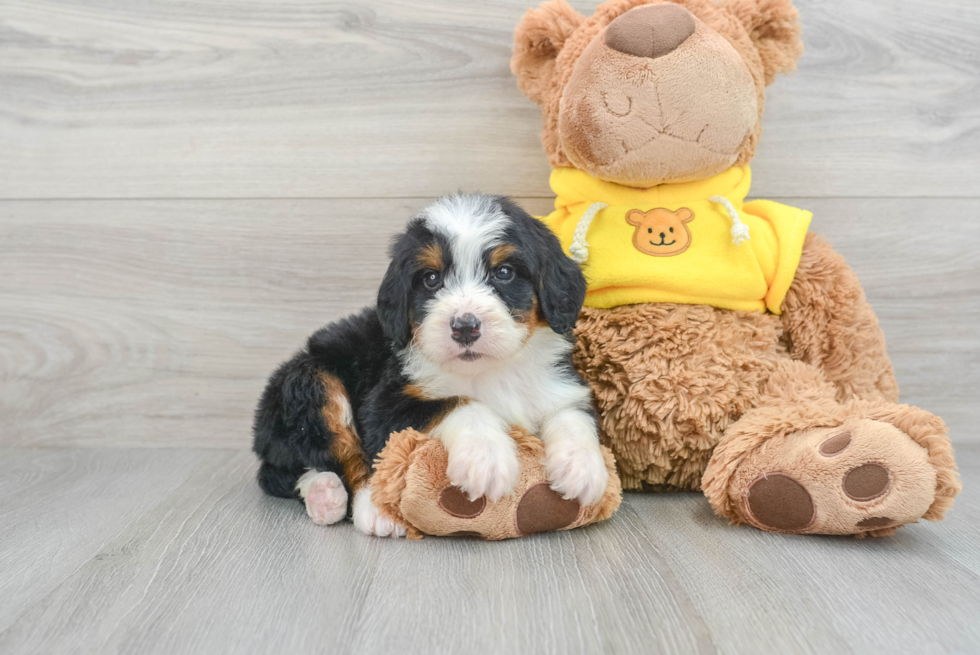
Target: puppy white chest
column 524, row 400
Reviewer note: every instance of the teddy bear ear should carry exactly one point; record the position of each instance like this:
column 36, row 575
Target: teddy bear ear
column 635, row 217
column 774, row 27
column 537, row 41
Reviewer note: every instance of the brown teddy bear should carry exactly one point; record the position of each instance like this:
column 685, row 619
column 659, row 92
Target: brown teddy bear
column 744, row 359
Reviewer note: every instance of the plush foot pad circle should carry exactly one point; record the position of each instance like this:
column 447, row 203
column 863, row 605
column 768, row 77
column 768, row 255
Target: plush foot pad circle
column 866, row 482
column 542, row 509
column 835, row 445
column 453, row 500
column 780, row 502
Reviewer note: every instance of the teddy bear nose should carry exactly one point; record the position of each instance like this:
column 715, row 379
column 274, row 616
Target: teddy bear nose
column 650, row 31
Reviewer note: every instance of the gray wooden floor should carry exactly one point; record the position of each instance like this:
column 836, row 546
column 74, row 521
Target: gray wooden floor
column 188, row 189
column 134, row 550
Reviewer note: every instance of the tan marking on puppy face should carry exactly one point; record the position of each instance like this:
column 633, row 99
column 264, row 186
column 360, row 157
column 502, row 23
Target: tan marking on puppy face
column 346, row 445
column 500, row 254
column 532, row 318
column 431, row 257
column 661, row 232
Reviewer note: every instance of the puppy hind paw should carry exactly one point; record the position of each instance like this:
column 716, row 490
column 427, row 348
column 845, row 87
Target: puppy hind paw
column 324, row 495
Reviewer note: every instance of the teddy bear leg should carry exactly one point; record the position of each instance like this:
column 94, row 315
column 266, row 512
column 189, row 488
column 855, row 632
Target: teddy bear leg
column 863, row 468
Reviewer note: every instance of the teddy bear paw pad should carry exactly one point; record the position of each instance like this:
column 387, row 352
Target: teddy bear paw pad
column 542, row 509
column 454, row 501
column 780, row 502
column 865, row 475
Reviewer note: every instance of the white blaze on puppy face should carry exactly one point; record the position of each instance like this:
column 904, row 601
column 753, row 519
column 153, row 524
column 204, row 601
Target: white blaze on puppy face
column 472, row 225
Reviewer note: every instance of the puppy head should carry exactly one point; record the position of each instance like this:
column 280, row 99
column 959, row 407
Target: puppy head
column 471, row 279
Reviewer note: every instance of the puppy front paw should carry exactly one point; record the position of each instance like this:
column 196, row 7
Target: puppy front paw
column 576, row 470
column 367, row 519
column 484, row 466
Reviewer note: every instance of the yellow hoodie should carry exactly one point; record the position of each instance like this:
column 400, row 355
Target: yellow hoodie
column 697, row 243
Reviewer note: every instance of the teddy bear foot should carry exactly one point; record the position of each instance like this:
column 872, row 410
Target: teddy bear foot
column 864, row 476
column 410, row 484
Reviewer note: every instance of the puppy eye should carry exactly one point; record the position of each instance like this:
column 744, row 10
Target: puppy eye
column 503, row 273
column 431, row 280
column 671, row 229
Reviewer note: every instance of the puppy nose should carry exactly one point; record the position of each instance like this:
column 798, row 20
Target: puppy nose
column 466, row 328
column 650, row 31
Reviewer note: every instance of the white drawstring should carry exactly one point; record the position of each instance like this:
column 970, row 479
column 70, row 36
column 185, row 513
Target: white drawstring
column 740, row 231
column 580, row 247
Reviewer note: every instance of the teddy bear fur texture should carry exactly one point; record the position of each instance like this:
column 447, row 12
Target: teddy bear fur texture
column 787, row 422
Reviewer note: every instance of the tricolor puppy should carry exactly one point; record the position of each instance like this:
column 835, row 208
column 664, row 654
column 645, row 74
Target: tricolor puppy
column 471, row 335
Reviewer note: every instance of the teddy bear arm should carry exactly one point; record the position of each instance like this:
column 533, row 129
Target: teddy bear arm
column 829, row 323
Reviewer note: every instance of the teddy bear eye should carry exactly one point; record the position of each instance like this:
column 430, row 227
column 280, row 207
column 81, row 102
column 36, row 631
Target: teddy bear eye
column 671, row 229
column 650, row 230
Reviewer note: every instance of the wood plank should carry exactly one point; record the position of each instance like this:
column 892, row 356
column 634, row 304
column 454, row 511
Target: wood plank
column 216, row 567
column 156, row 322
column 61, row 508
column 297, row 98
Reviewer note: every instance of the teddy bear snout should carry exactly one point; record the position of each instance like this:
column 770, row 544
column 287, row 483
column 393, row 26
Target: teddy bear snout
column 650, row 31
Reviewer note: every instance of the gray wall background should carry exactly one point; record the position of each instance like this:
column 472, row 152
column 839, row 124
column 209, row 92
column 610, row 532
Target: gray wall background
column 188, row 189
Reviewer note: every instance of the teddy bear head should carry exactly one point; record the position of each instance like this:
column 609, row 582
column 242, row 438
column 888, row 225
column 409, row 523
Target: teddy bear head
column 648, row 91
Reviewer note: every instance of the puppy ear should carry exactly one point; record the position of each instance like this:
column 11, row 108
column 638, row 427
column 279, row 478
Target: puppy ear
column 559, row 282
column 774, row 28
column 393, row 297
column 538, row 39
column 561, row 289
